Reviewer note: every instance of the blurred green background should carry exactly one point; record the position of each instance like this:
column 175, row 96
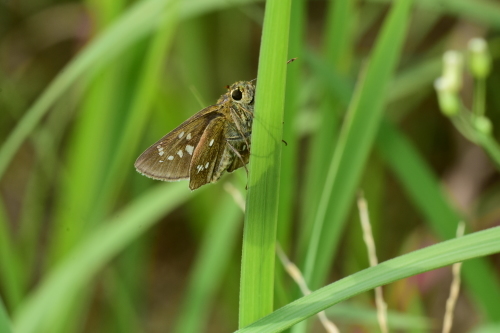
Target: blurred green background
column 86, row 86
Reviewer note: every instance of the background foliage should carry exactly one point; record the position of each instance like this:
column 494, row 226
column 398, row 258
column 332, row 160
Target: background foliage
column 89, row 245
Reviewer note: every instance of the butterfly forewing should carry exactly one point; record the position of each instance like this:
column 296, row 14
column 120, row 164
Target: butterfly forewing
column 208, row 155
column 169, row 158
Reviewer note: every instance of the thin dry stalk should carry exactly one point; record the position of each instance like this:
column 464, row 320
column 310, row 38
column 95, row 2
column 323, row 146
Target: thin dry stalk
column 454, row 288
column 297, row 276
column 372, row 256
column 236, row 194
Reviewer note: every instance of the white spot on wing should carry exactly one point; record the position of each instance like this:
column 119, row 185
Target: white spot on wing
column 160, row 150
column 181, row 134
column 180, row 153
column 170, row 158
column 190, row 149
column 188, row 137
column 206, row 165
column 211, row 142
column 161, row 161
column 200, row 168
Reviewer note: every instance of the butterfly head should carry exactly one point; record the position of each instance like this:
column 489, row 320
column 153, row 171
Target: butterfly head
column 242, row 92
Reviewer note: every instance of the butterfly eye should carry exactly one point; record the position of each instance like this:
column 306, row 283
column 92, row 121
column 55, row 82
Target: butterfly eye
column 236, row 94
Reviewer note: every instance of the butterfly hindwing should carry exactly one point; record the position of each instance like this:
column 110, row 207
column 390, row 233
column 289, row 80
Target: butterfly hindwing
column 208, row 155
column 170, row 157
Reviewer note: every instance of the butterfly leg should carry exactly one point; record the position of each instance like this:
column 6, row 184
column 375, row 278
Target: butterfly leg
column 241, row 159
column 239, row 156
column 238, row 127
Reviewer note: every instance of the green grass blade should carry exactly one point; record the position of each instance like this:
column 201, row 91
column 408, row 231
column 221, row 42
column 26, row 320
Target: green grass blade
column 289, row 181
column 491, row 146
column 488, row 328
column 137, row 22
column 141, row 105
column 123, row 307
column 355, row 141
column 84, row 261
column 422, row 185
column 213, row 257
column 5, row 326
column 346, row 312
column 86, row 160
column 101, row 175
column 484, row 12
column 475, row 245
column 10, row 263
column 338, row 45
column 426, row 194
column 419, row 76
column 288, row 174
column 338, row 42
column 257, row 267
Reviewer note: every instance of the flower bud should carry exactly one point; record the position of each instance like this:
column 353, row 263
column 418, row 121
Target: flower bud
column 447, row 97
column 483, row 125
column 480, row 59
column 452, row 70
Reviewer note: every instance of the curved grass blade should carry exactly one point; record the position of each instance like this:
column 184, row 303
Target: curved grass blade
column 356, row 138
column 423, row 187
column 424, row 191
column 136, row 23
column 475, row 245
column 87, row 258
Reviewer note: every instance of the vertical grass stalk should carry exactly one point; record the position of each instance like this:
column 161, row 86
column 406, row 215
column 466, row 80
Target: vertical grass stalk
column 257, row 267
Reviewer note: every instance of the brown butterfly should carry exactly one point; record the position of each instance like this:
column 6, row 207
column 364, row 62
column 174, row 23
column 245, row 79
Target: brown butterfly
column 201, row 149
